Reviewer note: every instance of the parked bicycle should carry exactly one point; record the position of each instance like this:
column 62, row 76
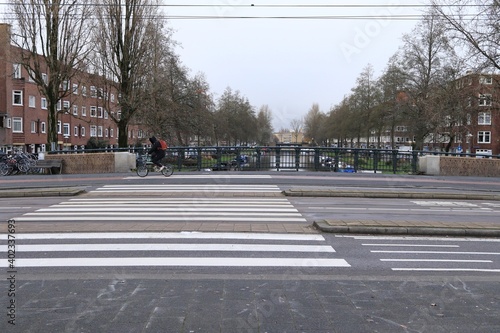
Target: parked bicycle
column 144, row 166
column 19, row 162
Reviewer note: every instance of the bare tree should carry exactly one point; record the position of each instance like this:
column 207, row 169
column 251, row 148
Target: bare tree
column 56, row 36
column 314, row 124
column 424, row 54
column 264, row 127
column 477, row 25
column 126, row 32
column 296, row 125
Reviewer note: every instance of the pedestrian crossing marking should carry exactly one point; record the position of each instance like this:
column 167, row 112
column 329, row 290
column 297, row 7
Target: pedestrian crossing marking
column 208, row 176
column 271, row 210
column 182, row 262
column 173, row 247
column 231, row 188
column 170, row 235
column 35, row 250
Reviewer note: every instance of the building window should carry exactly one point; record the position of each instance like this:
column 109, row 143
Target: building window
column 43, row 103
column 17, row 97
column 75, row 131
column 32, row 101
column 484, row 118
column 93, row 130
column 65, row 86
column 106, row 133
column 84, row 91
column 66, row 106
column 99, row 131
column 75, row 89
column 75, row 110
column 31, row 75
column 45, row 79
column 111, row 133
column 43, row 127
column 485, row 100
column 486, row 80
column 84, row 111
column 112, row 98
column 82, row 131
column 17, row 125
column 484, row 137
column 93, row 111
column 106, row 114
column 93, row 92
column 33, row 127
column 100, row 112
column 59, row 127
column 17, row 71
column 66, row 130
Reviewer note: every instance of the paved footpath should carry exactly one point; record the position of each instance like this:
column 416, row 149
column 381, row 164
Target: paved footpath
column 438, row 228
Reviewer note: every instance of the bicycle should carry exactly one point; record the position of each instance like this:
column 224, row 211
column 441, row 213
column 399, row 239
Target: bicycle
column 144, row 166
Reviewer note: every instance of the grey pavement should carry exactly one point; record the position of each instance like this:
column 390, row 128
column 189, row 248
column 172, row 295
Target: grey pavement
column 333, row 225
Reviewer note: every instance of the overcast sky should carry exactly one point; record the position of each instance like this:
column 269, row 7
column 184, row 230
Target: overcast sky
column 286, row 63
column 289, row 64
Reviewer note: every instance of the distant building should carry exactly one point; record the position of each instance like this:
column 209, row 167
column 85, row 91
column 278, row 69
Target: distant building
column 288, row 137
column 83, row 115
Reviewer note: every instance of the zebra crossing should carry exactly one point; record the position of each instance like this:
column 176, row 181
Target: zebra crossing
column 173, row 249
column 431, row 254
column 206, row 209
column 186, row 188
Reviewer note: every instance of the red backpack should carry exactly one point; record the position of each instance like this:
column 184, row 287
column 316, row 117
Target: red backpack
column 163, row 145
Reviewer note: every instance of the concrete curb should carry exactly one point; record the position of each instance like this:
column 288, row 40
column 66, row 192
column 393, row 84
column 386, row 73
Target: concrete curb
column 41, row 192
column 386, row 194
column 324, row 226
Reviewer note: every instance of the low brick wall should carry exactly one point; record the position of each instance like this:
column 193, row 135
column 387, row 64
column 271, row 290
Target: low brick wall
column 459, row 166
column 469, row 166
column 95, row 162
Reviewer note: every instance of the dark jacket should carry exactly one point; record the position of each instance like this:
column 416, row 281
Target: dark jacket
column 155, row 145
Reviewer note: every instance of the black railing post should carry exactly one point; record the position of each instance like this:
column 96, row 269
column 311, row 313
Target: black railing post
column 394, row 161
column 316, row 159
column 198, row 158
column 414, row 162
column 375, row 160
column 297, row 158
column 278, row 158
column 356, row 160
column 180, row 158
column 257, row 158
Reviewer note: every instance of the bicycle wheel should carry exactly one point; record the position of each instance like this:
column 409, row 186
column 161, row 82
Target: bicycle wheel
column 142, row 170
column 168, row 170
column 23, row 166
column 5, row 169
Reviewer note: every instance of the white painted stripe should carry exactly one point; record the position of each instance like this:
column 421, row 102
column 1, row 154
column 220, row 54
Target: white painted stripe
column 184, row 190
column 168, row 204
column 438, row 252
column 196, row 186
column 170, row 235
column 411, row 245
column 173, row 247
column 176, row 200
column 205, row 176
column 164, row 213
column 448, row 270
column 435, row 260
column 161, row 218
column 413, row 238
column 184, row 262
column 163, row 209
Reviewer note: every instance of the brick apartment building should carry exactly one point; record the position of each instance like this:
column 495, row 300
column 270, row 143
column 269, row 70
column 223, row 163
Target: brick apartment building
column 83, row 115
column 479, row 133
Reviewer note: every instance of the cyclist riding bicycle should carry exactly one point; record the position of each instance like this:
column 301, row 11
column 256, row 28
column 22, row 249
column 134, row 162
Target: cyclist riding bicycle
column 157, row 152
